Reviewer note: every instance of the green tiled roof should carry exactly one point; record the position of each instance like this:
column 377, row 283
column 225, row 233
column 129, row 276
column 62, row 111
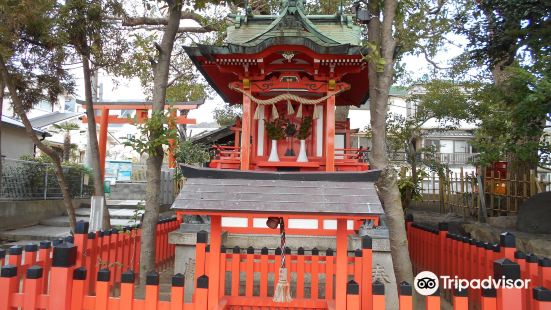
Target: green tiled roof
column 293, row 23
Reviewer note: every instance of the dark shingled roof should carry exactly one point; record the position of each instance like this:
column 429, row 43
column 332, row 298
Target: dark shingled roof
column 335, row 193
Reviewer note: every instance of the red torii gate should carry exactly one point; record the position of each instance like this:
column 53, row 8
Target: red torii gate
column 142, row 114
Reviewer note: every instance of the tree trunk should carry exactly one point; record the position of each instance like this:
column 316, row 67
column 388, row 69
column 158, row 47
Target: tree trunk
column 97, row 174
column 18, row 108
column 182, row 128
column 154, row 162
column 380, row 35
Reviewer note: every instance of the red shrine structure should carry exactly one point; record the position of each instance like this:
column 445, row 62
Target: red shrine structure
column 283, row 69
column 289, row 72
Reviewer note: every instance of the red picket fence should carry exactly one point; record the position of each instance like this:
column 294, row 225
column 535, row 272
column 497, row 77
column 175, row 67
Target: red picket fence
column 247, row 281
column 452, row 255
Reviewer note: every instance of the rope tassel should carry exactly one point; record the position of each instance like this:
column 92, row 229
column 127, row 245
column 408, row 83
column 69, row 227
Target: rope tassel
column 282, row 292
column 257, row 112
column 316, row 112
column 275, row 114
column 299, row 112
column 290, row 110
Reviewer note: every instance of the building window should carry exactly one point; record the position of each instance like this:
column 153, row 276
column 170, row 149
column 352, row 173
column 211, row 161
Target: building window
column 44, row 105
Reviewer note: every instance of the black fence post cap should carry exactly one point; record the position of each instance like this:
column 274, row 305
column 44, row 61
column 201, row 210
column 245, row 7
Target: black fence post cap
column 152, row 278
column 315, row 251
column 15, row 250
column 329, row 252
column 287, row 250
column 250, row 250
column 34, row 272
column 520, row 255
column 178, row 280
column 79, row 274
column 277, row 251
column 91, row 235
column 45, row 244
column 203, row 282
column 507, row 240
column 378, row 288
column 541, row 294
column 31, row 247
column 2, row 253
column 300, row 251
column 461, row 292
column 506, row 268
column 104, row 275
column 489, row 292
column 264, row 251
column 531, row 258
column 367, row 242
column 544, row 262
column 69, row 239
column 358, row 253
column 405, row 289
column 236, row 250
column 8, row 271
column 352, row 288
column 82, row 227
column 65, row 255
column 128, row 276
column 202, row 236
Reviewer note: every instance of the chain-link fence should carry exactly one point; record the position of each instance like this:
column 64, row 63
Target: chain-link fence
column 35, row 180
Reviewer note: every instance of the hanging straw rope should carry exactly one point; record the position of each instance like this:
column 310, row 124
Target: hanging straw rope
column 285, row 97
column 282, row 291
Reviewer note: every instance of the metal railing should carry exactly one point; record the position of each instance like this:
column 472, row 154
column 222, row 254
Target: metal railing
column 25, row 180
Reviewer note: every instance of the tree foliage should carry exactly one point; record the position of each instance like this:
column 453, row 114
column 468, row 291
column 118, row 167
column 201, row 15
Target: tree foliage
column 226, row 115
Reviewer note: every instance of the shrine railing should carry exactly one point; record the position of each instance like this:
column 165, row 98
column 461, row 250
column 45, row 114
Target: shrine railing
column 460, row 257
column 224, row 152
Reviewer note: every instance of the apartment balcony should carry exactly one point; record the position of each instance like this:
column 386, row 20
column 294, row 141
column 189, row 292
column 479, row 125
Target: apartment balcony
column 452, row 159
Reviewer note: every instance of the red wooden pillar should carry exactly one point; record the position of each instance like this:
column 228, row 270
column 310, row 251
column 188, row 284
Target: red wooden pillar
column 367, row 267
column 341, row 264
column 245, row 133
column 432, row 302
column 152, row 291
column 488, row 299
column 508, row 298
column 352, row 296
column 460, row 300
column 508, row 245
column 32, row 287
column 104, row 124
column 330, row 133
column 127, row 290
column 177, row 292
column 378, row 289
column 171, row 142
column 214, row 262
column 9, row 285
column 405, row 298
column 542, row 298
column 79, row 288
column 63, row 260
